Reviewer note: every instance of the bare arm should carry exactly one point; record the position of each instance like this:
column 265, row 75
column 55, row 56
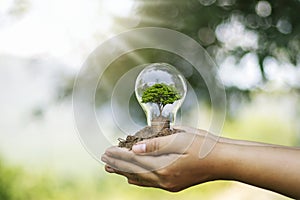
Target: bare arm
column 273, row 168
column 172, row 163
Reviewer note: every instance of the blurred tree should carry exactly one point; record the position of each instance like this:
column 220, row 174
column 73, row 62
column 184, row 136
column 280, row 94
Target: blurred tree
column 19, row 8
column 275, row 22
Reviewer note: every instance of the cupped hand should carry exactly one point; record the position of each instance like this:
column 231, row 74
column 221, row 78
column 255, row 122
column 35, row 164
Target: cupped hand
column 170, row 162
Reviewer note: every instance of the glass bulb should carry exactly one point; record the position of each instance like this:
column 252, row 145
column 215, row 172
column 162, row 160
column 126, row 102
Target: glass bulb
column 160, row 90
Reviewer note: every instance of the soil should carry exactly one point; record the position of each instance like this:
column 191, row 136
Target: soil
column 161, row 128
column 146, row 133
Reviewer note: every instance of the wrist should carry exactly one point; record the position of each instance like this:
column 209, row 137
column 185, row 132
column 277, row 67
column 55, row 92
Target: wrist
column 215, row 164
column 224, row 160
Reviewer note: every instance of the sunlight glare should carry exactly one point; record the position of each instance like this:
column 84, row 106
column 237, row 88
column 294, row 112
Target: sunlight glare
column 120, row 8
column 5, row 5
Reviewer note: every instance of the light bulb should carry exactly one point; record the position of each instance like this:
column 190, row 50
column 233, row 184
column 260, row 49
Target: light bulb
column 160, row 90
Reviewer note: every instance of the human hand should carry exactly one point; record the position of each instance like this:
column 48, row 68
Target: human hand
column 170, row 162
column 173, row 162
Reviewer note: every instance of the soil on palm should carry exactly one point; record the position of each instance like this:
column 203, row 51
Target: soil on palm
column 146, row 133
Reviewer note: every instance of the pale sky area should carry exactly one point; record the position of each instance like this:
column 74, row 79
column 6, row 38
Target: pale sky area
column 66, row 30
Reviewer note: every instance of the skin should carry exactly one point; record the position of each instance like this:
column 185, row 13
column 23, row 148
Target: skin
column 172, row 163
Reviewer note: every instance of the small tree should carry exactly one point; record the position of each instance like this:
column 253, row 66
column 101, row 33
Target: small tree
column 161, row 94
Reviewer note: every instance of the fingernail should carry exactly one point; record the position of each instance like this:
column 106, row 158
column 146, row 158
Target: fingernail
column 104, row 159
column 108, row 153
column 139, row 148
column 109, row 169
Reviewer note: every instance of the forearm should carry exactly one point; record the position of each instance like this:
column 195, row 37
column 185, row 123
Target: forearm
column 269, row 167
column 246, row 142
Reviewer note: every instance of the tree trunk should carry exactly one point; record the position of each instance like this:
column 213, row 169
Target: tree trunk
column 160, row 109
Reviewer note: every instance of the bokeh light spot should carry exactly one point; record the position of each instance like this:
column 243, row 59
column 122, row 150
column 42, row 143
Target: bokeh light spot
column 263, row 9
column 284, row 26
column 207, row 2
column 206, row 36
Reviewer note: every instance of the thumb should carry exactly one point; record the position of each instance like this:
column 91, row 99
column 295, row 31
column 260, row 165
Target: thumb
column 149, row 146
column 176, row 143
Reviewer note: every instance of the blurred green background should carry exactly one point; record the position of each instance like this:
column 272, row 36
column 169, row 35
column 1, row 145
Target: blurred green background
column 43, row 44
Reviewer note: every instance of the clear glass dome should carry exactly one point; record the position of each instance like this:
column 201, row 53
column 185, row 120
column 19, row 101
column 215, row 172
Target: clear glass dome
column 160, row 89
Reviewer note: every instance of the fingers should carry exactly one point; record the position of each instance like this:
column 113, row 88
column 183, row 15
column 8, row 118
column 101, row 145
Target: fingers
column 122, row 165
column 135, row 179
column 140, row 183
column 109, row 169
column 177, row 143
column 147, row 178
column 150, row 163
column 120, row 153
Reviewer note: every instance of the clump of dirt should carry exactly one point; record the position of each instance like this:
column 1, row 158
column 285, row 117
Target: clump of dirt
column 146, row 133
column 160, row 127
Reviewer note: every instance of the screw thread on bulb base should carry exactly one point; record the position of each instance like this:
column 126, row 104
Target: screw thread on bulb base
column 160, row 123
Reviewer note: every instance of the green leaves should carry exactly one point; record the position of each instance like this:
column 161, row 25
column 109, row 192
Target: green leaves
column 161, row 94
